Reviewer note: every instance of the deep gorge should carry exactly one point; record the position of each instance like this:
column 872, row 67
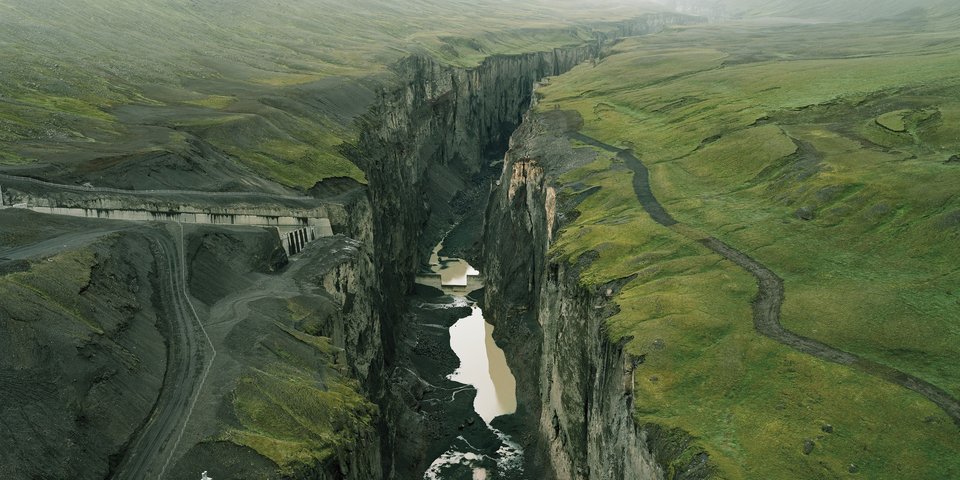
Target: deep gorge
column 431, row 150
column 480, row 240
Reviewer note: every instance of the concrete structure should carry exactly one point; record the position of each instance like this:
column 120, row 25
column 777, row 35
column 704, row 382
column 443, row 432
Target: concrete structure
column 293, row 232
column 237, row 218
column 298, row 220
column 294, row 241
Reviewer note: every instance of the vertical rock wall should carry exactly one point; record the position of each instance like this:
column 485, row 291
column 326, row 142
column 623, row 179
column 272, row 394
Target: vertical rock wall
column 575, row 381
column 421, row 145
column 577, row 387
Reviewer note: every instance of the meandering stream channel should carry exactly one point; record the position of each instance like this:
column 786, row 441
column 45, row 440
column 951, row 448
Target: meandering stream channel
column 483, row 366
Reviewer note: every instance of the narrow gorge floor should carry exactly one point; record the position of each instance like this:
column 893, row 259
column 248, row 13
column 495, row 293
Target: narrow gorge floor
column 465, row 378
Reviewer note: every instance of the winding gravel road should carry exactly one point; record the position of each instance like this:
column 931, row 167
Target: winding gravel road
column 189, row 357
column 770, row 294
column 190, row 352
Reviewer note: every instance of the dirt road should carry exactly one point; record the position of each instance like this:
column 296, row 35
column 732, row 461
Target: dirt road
column 771, row 294
column 189, row 356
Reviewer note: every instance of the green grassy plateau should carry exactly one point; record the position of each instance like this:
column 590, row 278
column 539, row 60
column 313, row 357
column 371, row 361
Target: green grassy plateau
column 822, row 151
column 91, row 84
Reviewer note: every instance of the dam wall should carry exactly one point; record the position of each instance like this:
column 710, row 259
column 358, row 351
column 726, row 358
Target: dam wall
column 294, row 232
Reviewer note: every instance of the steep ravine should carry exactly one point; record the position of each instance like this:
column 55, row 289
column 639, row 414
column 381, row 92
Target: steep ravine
column 424, row 143
column 577, row 387
column 429, row 149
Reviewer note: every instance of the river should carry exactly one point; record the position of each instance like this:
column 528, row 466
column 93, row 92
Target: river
column 483, row 366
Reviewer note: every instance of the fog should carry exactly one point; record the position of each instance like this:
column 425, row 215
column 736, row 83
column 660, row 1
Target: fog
column 812, row 9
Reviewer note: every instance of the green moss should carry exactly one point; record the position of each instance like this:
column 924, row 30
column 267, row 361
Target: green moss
column 10, row 158
column 298, row 407
column 893, row 121
column 737, row 138
column 295, row 420
column 51, row 285
column 297, row 164
column 218, row 102
column 68, row 105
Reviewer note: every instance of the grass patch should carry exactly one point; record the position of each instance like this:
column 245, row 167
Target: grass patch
column 295, row 404
column 10, row 158
column 52, row 286
column 216, row 102
column 295, row 420
column 73, row 106
column 775, row 147
column 893, row 121
column 297, row 164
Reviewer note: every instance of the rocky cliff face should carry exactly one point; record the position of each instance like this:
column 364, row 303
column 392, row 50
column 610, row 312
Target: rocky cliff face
column 576, row 388
column 354, row 283
column 424, row 140
column 586, row 390
column 579, row 390
column 423, row 145
column 420, row 147
column 354, row 325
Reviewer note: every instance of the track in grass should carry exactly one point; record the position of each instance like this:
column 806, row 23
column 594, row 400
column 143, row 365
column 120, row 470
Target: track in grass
column 770, row 294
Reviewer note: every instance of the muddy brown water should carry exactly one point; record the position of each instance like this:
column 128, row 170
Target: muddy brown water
column 483, row 366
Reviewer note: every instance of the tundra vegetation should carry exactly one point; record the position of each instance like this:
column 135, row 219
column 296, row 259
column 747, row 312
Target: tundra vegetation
column 273, row 85
column 823, row 151
column 829, row 151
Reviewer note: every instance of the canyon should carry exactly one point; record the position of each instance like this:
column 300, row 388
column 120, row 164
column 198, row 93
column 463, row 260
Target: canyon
column 534, row 252
column 431, row 151
column 451, row 126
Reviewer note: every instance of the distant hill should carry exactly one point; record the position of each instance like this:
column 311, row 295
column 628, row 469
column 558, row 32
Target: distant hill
column 826, row 10
column 831, row 9
column 186, row 82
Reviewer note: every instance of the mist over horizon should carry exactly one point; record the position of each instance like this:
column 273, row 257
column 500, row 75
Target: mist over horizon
column 479, row 239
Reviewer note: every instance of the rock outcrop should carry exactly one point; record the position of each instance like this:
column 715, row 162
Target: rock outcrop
column 576, row 388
